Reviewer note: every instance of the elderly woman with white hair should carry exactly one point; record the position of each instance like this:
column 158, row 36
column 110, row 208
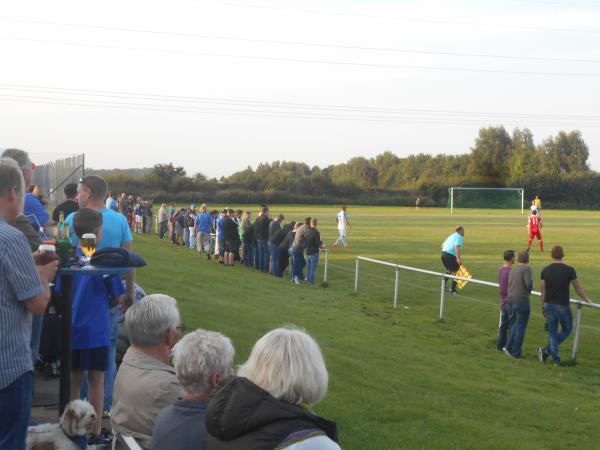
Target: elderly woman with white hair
column 145, row 382
column 201, row 359
column 267, row 406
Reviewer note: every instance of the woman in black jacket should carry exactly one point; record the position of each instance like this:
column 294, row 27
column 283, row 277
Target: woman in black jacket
column 267, row 405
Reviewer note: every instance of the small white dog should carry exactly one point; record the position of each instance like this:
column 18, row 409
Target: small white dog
column 69, row 434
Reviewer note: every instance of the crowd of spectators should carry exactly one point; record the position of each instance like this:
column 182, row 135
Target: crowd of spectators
column 170, row 390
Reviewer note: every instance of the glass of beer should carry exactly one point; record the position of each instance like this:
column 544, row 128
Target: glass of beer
column 88, row 246
column 45, row 255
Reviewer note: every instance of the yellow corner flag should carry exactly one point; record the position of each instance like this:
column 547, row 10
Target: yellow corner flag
column 463, row 272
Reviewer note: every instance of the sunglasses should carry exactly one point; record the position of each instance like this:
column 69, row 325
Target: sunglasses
column 81, row 181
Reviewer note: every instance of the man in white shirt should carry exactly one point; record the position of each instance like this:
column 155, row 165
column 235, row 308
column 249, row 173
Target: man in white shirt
column 343, row 226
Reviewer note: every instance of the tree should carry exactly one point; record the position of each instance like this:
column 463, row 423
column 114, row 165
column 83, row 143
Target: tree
column 567, row 153
column 489, row 157
column 164, row 174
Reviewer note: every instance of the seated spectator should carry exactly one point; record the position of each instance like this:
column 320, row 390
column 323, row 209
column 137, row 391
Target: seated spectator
column 201, row 359
column 145, row 382
column 266, row 406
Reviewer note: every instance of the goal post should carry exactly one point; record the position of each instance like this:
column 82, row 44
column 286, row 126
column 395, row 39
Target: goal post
column 497, row 198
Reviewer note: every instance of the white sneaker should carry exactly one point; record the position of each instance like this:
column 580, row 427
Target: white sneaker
column 296, row 280
column 506, row 352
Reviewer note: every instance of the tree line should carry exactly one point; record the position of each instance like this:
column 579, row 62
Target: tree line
column 556, row 169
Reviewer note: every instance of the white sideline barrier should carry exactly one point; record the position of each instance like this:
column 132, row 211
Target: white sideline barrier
column 121, row 442
column 580, row 304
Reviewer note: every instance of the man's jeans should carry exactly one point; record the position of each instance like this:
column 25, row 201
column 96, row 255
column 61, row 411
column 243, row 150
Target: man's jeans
column 186, row 237
column 298, row 263
column 163, row 230
column 519, row 317
column 274, row 259
column 556, row 314
column 192, row 238
column 248, row 254
column 312, row 261
column 111, row 365
column 263, row 255
column 504, row 326
column 203, row 242
column 15, row 408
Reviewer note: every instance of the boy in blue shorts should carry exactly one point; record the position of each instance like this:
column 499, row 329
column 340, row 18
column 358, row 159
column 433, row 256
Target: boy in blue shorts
column 90, row 330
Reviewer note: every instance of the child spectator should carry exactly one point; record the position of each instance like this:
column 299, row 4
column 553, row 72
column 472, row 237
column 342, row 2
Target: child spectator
column 90, row 333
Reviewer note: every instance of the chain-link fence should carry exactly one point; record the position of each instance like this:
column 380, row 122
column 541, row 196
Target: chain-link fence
column 53, row 176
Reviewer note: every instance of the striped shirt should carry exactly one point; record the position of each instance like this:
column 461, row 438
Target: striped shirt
column 19, row 282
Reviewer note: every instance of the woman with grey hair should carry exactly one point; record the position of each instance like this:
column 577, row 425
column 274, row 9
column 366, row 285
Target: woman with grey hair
column 267, row 405
column 145, row 382
column 201, row 359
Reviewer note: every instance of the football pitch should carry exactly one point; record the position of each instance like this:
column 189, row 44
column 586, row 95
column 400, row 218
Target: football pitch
column 400, row 379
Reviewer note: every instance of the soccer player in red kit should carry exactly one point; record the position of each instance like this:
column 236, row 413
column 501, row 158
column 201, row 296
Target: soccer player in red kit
column 535, row 226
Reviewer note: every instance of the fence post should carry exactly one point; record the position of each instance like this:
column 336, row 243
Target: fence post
column 577, row 328
column 442, row 298
column 356, row 277
column 396, row 287
column 325, row 268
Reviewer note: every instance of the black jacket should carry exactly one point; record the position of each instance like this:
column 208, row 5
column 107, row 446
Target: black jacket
column 242, row 416
column 261, row 228
column 281, row 234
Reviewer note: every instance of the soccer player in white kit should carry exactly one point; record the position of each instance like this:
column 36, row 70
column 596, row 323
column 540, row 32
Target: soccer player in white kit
column 343, row 226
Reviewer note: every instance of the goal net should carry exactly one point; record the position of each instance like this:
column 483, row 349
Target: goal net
column 499, row 198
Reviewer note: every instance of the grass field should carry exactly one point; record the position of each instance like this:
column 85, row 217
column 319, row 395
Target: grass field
column 400, row 379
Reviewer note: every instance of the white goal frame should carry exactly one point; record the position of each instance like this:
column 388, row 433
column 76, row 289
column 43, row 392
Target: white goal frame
column 520, row 191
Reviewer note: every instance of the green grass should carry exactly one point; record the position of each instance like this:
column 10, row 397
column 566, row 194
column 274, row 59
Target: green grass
column 400, row 379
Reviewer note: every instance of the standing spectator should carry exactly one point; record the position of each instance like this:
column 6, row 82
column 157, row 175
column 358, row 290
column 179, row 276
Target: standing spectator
column 123, row 204
column 178, row 226
column 520, row 284
column 111, row 203
column 230, row 237
column 556, row 280
column 267, row 405
column 298, row 246
column 144, row 215
column 149, row 215
column 451, row 255
column 163, row 220
column 343, row 225
column 279, row 240
column 201, row 359
column 313, row 247
column 188, row 232
column 130, row 209
column 202, row 226
column 138, row 214
column 91, row 193
column 285, row 249
column 213, row 233
column 246, row 237
column 70, row 205
column 274, row 227
column 23, row 291
column 146, row 383
column 509, row 260
column 261, row 230
column 220, row 248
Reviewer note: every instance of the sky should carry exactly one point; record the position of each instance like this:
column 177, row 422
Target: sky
column 216, row 86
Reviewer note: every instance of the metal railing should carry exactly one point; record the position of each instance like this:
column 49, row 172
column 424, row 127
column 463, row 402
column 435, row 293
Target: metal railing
column 444, row 276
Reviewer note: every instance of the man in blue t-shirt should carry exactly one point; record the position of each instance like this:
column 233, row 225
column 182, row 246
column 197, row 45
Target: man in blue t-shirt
column 91, row 192
column 221, row 235
column 451, row 254
column 202, row 230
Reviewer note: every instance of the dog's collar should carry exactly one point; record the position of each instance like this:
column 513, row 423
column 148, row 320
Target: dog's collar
column 79, row 441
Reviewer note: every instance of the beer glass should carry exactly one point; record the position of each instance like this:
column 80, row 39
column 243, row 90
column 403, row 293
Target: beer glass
column 88, row 246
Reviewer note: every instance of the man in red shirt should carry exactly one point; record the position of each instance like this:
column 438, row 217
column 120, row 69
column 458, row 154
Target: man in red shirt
column 534, row 226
